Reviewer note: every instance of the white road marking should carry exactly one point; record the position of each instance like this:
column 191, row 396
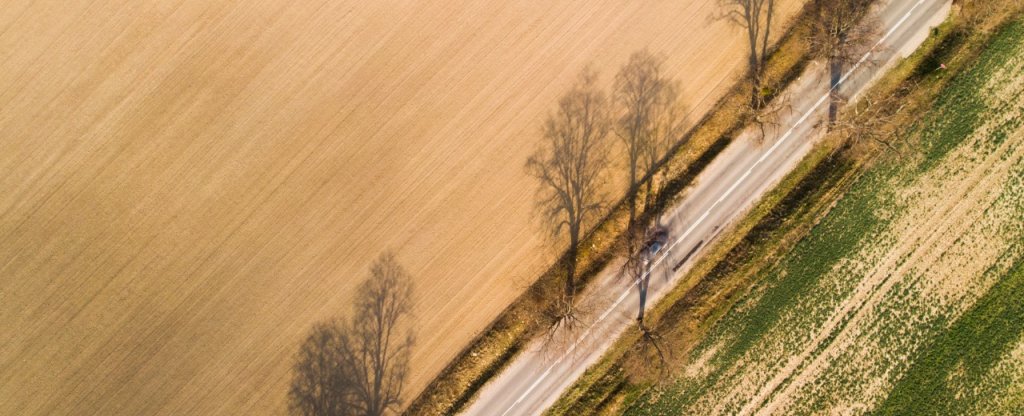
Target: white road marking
column 803, row 118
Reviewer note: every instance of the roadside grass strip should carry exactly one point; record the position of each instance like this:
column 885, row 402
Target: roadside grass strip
column 907, row 292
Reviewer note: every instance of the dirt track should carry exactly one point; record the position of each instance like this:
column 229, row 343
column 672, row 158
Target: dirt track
column 185, row 187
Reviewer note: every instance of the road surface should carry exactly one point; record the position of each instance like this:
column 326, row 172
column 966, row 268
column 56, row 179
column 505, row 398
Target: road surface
column 728, row 187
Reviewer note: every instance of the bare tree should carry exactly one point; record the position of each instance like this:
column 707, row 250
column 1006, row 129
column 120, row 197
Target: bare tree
column 871, row 119
column 668, row 121
column 650, row 119
column 571, row 165
column 840, row 31
column 639, row 88
column 768, row 118
column 322, row 384
column 359, row 367
column 383, row 302
column 637, row 268
column 756, row 17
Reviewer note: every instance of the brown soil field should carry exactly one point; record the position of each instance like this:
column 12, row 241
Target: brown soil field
column 187, row 186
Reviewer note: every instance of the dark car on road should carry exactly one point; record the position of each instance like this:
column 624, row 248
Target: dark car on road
column 657, row 241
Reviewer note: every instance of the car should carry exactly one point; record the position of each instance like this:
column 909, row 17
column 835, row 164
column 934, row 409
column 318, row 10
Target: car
column 657, row 241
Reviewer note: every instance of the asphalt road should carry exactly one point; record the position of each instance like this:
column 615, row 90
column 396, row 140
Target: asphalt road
column 727, row 188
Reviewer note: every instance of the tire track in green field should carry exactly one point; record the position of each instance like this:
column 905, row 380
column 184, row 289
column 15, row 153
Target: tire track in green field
column 858, row 315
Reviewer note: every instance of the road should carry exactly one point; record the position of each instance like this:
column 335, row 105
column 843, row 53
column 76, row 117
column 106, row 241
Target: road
column 727, row 188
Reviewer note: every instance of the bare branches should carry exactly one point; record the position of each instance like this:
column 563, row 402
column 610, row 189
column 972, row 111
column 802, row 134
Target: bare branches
column 837, row 29
column 651, row 340
column 871, row 119
column 756, row 17
column 638, row 86
column 383, row 301
column 840, row 32
column 632, row 247
column 571, row 165
column 359, row 366
column 668, row 120
column 650, row 118
column 320, row 383
column 639, row 248
column 768, row 117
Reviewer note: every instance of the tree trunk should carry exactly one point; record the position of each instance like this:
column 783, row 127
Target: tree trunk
column 632, row 192
column 767, row 32
column 755, row 76
column 649, row 196
column 570, row 275
column 835, row 74
column 643, row 298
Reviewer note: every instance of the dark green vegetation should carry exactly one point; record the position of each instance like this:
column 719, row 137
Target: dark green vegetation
column 490, row 352
column 966, row 353
column 807, row 283
column 850, row 292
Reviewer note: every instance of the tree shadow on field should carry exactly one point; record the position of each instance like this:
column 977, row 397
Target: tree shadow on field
column 359, row 366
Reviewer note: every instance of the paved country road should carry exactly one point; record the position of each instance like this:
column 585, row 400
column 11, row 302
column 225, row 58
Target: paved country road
column 729, row 186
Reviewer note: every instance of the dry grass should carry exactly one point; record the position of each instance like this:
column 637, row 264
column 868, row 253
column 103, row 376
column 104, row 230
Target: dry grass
column 188, row 186
column 823, row 336
column 692, row 309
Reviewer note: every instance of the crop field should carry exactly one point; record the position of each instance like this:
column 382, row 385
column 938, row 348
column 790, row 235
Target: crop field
column 186, row 187
column 905, row 298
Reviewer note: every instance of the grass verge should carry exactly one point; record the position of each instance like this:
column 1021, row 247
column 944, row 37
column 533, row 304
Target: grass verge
column 499, row 343
column 730, row 269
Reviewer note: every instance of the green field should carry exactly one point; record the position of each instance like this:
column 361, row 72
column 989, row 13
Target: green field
column 907, row 297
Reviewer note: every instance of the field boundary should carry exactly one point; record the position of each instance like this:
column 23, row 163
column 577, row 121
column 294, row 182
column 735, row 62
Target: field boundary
column 766, row 233
column 491, row 351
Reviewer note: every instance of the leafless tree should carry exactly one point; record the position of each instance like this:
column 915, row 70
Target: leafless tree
column 359, row 367
column 668, row 121
column 840, row 31
column 637, row 269
column 571, row 165
column 871, row 119
column 322, row 384
column 756, row 17
column 383, row 303
column 648, row 117
column 768, row 118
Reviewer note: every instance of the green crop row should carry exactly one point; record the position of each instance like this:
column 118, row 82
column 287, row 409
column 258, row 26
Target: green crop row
column 794, row 297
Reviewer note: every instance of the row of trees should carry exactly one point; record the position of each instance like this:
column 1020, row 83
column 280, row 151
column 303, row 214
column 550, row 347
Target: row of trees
column 573, row 162
column 838, row 34
column 574, row 159
column 358, row 366
column 755, row 16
